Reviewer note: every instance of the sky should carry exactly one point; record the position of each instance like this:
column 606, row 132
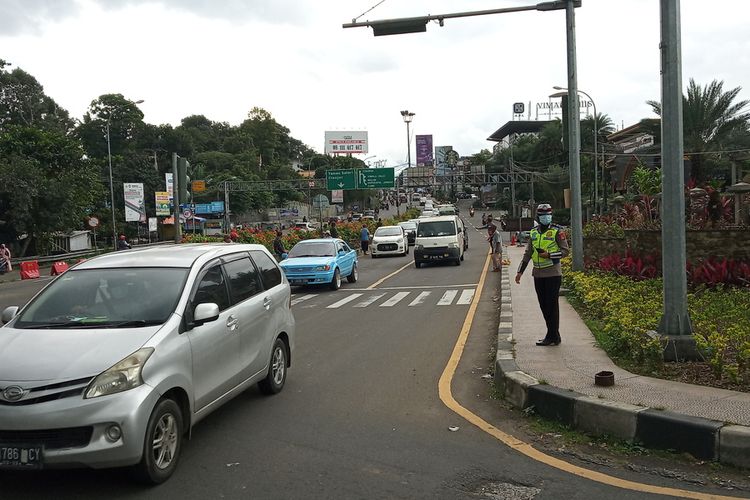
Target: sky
column 221, row 58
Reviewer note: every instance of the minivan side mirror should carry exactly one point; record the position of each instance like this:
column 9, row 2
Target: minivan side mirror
column 205, row 313
column 9, row 313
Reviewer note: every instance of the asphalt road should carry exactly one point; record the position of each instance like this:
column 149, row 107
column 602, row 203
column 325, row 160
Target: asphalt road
column 360, row 416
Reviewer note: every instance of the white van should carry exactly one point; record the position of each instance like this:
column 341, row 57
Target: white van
column 440, row 238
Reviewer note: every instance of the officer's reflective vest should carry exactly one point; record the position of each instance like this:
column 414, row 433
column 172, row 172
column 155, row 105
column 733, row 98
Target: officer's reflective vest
column 543, row 242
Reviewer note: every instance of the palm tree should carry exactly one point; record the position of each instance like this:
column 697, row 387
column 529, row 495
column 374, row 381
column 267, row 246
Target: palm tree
column 711, row 122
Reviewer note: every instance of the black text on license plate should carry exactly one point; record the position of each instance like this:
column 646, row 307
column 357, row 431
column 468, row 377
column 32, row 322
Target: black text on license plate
column 20, row 457
column 297, row 282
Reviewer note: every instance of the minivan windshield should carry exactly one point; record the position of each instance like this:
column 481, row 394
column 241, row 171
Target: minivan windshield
column 436, row 228
column 106, row 298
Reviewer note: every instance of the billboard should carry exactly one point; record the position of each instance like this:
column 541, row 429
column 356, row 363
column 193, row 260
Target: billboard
column 345, row 143
column 424, row 150
column 161, row 199
column 441, row 160
column 135, row 210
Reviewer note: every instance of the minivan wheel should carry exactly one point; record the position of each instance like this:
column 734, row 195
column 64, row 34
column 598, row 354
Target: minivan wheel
column 336, row 281
column 276, row 377
column 162, row 444
column 352, row 278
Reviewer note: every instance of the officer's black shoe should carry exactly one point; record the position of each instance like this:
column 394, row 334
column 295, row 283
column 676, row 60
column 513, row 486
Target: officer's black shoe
column 545, row 342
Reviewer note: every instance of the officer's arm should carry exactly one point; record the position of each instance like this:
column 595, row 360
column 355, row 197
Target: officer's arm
column 562, row 245
column 526, row 257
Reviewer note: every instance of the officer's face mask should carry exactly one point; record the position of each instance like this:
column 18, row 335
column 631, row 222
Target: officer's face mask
column 545, row 220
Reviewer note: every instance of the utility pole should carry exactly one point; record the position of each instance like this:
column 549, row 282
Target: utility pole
column 675, row 324
column 176, row 200
column 574, row 140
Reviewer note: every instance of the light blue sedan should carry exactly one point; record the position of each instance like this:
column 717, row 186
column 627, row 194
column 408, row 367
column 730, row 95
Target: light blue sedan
column 319, row 262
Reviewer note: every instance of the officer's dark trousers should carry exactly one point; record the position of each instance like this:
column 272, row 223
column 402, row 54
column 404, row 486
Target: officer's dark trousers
column 547, row 291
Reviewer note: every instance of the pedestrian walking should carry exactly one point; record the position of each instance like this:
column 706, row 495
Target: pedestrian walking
column 496, row 247
column 333, row 230
column 547, row 245
column 5, row 265
column 278, row 245
column 364, row 239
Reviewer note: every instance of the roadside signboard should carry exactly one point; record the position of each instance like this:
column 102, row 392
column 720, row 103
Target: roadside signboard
column 320, row 201
column 345, row 142
column 199, row 186
column 375, row 178
column 135, row 211
column 152, row 224
column 341, row 179
column 337, row 196
column 169, row 182
column 162, row 203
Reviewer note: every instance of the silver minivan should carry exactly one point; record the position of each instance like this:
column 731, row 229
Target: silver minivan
column 114, row 361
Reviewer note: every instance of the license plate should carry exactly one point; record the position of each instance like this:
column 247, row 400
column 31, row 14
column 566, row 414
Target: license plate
column 297, row 282
column 21, row 456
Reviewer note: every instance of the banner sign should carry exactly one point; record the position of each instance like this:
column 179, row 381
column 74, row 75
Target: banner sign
column 152, row 224
column 441, row 160
column 341, row 143
column 169, row 182
column 135, row 211
column 162, row 203
column 424, row 150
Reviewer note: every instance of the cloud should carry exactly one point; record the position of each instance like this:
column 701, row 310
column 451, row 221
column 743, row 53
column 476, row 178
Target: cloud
column 271, row 11
column 27, row 16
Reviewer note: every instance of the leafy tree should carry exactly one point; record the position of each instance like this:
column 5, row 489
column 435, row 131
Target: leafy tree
column 23, row 102
column 45, row 184
column 712, row 121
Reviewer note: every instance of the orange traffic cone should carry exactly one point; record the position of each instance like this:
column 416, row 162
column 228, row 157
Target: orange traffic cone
column 513, row 239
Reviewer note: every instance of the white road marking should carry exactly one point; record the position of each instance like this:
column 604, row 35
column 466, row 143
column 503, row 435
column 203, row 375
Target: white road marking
column 394, row 300
column 447, row 298
column 343, row 301
column 369, row 300
column 420, row 299
column 303, row 298
column 465, row 297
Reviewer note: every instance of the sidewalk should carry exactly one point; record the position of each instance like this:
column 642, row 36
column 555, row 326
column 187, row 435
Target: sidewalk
column 564, row 375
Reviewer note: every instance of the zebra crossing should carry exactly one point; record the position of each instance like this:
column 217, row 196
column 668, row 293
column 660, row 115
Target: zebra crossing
column 377, row 298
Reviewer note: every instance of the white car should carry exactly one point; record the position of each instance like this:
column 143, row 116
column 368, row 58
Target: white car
column 389, row 240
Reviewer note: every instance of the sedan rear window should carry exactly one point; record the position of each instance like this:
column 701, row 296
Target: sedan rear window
column 313, row 249
column 388, row 231
column 106, row 298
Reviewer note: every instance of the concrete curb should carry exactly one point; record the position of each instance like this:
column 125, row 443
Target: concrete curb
column 701, row 437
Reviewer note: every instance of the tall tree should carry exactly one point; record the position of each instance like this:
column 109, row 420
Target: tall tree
column 711, row 122
column 23, row 102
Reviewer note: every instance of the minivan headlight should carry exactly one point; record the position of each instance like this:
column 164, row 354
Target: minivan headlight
column 122, row 376
column 327, row 267
column 453, row 245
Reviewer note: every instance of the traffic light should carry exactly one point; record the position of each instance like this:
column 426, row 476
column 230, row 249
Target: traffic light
column 183, row 179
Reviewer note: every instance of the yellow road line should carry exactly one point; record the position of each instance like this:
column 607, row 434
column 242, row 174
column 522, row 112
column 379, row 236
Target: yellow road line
column 444, row 388
column 394, row 273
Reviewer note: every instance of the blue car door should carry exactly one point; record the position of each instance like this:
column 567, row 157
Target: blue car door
column 345, row 258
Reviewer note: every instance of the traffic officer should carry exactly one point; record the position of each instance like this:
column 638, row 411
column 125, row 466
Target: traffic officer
column 546, row 246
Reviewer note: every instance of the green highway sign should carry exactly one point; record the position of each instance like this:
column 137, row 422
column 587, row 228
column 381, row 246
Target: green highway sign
column 375, row 178
column 341, row 179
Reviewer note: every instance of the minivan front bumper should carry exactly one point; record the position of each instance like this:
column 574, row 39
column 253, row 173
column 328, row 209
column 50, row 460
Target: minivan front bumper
column 433, row 254
column 62, row 427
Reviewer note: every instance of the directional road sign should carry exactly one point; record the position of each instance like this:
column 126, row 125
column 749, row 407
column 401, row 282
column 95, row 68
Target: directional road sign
column 341, row 179
column 375, row 178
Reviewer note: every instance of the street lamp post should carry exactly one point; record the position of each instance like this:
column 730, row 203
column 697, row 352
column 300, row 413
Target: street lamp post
column 111, row 183
column 408, row 117
column 596, row 156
